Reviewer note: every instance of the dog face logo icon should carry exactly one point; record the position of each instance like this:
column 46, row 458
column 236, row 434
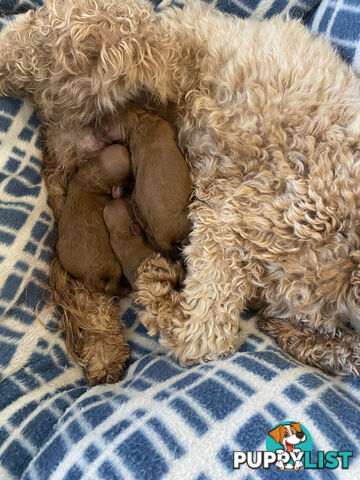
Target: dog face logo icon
column 288, row 435
column 293, row 441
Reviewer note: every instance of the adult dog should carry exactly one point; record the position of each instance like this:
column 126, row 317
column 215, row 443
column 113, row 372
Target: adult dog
column 269, row 119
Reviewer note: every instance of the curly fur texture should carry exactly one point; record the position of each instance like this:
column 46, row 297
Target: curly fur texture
column 94, row 331
column 54, row 43
column 269, row 119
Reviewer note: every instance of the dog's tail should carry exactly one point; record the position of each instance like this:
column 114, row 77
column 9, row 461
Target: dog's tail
column 92, row 324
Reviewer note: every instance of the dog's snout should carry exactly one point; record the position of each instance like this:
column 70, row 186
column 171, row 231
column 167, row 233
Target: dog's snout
column 300, row 435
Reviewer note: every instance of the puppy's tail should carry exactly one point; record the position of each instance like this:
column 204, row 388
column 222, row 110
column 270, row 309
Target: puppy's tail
column 92, row 324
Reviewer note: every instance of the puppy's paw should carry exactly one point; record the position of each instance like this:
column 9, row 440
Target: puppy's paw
column 117, row 191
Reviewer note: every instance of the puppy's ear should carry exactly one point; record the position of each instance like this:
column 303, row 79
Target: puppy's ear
column 276, row 433
column 296, row 426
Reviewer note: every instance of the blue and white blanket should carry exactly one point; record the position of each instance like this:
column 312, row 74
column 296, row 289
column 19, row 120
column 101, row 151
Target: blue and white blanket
column 161, row 421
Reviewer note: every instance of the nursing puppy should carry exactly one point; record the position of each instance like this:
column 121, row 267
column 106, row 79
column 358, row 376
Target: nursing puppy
column 83, row 243
column 162, row 187
column 130, row 250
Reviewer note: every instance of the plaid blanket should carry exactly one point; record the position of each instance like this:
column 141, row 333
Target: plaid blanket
column 161, row 420
column 339, row 21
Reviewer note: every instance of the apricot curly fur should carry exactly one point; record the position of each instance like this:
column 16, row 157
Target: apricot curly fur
column 268, row 117
column 94, row 331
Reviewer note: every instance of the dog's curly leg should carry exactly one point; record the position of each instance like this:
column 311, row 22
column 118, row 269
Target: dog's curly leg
column 156, row 291
column 15, row 46
column 337, row 353
column 201, row 322
column 91, row 321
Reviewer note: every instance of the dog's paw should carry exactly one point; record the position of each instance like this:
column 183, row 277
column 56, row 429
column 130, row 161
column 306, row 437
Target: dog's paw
column 195, row 342
column 157, row 278
column 150, row 322
column 201, row 350
column 155, row 291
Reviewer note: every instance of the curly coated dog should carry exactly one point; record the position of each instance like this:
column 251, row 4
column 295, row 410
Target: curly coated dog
column 269, row 120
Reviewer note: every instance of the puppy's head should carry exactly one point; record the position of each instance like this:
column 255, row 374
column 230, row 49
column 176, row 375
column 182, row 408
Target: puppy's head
column 114, row 163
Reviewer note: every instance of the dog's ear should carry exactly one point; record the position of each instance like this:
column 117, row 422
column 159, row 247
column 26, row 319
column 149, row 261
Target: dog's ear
column 296, row 426
column 275, row 433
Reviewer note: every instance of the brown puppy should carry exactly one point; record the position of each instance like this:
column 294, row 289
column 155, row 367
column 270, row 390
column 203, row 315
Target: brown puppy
column 162, row 179
column 130, row 250
column 83, row 245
